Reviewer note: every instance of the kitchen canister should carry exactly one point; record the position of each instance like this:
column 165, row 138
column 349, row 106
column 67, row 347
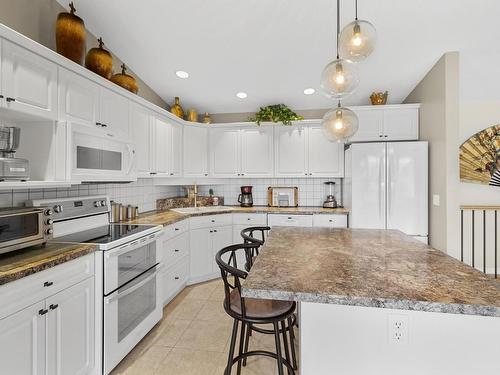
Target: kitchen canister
column 71, row 35
column 115, row 212
column 100, row 61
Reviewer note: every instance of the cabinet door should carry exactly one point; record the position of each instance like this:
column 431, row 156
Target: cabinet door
column 222, row 237
column 114, row 113
column 291, row 158
column 371, row 124
column 22, row 342
column 224, row 152
column 401, row 124
column 30, row 81
column 70, row 330
column 162, row 147
column 326, row 159
column 257, row 151
column 201, row 253
column 78, row 98
column 141, row 125
column 195, row 151
column 176, row 150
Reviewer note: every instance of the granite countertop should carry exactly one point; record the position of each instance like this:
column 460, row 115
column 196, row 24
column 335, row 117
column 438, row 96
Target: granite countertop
column 167, row 217
column 365, row 267
column 18, row 264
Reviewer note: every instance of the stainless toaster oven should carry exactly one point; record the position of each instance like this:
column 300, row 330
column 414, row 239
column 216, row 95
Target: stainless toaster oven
column 23, row 227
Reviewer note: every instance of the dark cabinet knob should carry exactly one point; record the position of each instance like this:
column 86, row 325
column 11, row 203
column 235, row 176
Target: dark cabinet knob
column 10, row 99
column 1, row 96
column 104, row 125
column 176, row 250
column 48, row 283
column 176, row 228
column 43, row 311
column 176, row 277
column 206, row 174
column 53, row 306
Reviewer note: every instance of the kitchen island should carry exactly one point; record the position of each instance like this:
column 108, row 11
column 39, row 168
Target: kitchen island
column 379, row 302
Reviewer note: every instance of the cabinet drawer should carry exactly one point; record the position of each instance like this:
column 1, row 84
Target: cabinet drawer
column 250, row 219
column 290, row 220
column 24, row 292
column 330, row 221
column 211, row 221
column 175, row 229
column 175, row 249
column 174, row 278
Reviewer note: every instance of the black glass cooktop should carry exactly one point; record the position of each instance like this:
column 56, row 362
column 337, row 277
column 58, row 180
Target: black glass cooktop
column 105, row 234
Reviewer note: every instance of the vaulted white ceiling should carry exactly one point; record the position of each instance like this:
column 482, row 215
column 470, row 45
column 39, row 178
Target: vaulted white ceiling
column 274, row 49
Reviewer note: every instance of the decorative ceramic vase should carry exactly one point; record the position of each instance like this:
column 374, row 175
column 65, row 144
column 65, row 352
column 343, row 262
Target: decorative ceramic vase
column 176, row 108
column 379, row 98
column 70, row 35
column 192, row 115
column 207, row 119
column 125, row 80
column 100, row 61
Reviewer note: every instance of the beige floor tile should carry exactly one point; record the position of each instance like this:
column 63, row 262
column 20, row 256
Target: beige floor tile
column 200, row 291
column 186, row 309
column 144, row 363
column 217, row 294
column 172, row 332
column 213, row 311
column 212, row 336
column 188, row 362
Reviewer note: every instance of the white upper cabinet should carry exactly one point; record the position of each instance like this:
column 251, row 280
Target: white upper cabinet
column 325, row 158
column 224, row 152
column 78, row 98
column 401, row 124
column 195, row 151
column 141, row 129
column 291, row 150
column 162, row 145
column 176, row 149
column 113, row 113
column 167, row 145
column 257, row 148
column 387, row 123
column 28, row 82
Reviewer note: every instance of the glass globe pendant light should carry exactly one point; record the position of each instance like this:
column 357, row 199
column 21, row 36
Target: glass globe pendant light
column 339, row 123
column 357, row 39
column 340, row 77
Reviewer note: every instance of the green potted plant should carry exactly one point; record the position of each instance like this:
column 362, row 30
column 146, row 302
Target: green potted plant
column 276, row 113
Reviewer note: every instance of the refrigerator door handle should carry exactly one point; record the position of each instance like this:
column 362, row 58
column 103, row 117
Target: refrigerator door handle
column 389, row 191
column 380, row 188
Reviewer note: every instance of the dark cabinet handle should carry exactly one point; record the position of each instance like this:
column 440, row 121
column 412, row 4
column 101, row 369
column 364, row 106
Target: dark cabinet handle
column 43, row 311
column 104, row 125
column 213, row 221
column 176, row 228
column 9, row 99
column 48, row 283
column 176, row 277
column 206, row 174
column 215, row 231
column 53, row 307
column 176, row 250
column 171, row 174
column 1, row 96
column 211, row 231
column 152, row 173
column 98, row 124
column 385, row 136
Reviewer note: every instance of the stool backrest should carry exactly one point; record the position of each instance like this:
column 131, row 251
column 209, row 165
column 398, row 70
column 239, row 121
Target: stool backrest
column 255, row 234
column 231, row 272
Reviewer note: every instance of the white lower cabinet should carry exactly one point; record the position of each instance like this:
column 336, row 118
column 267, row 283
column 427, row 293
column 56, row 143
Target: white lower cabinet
column 48, row 327
column 22, row 342
column 330, row 221
column 174, row 279
column 70, row 330
column 283, row 220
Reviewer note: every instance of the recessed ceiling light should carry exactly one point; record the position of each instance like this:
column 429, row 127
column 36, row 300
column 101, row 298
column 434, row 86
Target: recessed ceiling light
column 242, row 95
column 309, row 91
column 182, row 74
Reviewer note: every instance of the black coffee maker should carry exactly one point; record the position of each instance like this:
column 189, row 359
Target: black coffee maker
column 245, row 199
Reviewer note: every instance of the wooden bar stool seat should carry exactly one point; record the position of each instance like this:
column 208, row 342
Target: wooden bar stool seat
column 260, row 308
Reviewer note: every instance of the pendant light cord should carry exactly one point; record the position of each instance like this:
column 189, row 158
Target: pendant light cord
column 338, row 27
column 356, row 9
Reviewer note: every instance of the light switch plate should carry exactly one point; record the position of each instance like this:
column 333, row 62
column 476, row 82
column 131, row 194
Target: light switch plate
column 435, row 200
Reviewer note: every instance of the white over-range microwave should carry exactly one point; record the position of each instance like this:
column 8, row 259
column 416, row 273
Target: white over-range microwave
column 100, row 157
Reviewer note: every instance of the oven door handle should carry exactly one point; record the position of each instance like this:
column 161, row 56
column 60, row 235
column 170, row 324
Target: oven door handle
column 146, row 240
column 132, row 289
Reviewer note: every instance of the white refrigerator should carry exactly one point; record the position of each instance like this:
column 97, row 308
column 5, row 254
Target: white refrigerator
column 389, row 186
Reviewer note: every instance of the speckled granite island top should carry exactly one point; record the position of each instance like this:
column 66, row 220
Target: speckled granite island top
column 364, row 267
column 18, row 264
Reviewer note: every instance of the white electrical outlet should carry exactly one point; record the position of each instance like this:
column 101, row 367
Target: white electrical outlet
column 398, row 328
column 435, row 200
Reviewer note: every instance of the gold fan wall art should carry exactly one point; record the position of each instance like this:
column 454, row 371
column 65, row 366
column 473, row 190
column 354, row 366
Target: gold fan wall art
column 480, row 157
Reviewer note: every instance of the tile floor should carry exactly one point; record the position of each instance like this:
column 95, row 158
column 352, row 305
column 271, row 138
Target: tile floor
column 193, row 339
